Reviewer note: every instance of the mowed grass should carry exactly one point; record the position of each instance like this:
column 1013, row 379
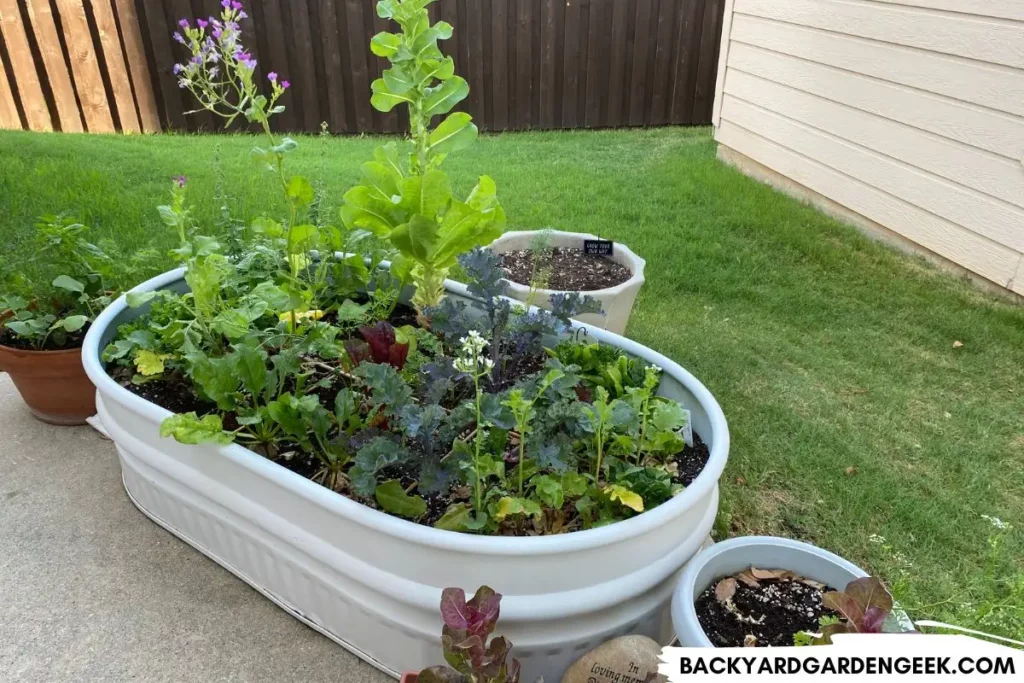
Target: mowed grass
column 833, row 357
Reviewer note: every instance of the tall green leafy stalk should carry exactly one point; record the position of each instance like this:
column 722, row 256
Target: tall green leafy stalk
column 409, row 201
column 472, row 362
column 523, row 410
column 601, row 418
column 220, row 76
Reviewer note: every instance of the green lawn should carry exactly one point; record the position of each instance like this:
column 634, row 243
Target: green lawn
column 833, row 357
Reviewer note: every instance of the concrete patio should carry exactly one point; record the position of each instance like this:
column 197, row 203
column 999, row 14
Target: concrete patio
column 91, row 590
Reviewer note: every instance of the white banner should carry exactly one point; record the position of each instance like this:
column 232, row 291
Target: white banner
column 854, row 658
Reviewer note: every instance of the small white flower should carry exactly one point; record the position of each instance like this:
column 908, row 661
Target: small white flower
column 875, row 538
column 464, row 365
column 997, row 523
column 488, row 364
column 473, row 344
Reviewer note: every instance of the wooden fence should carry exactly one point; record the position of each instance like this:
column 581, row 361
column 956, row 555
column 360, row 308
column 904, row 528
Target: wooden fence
column 74, row 65
column 531, row 64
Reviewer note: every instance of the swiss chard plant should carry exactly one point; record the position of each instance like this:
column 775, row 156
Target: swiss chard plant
column 407, row 198
column 472, row 656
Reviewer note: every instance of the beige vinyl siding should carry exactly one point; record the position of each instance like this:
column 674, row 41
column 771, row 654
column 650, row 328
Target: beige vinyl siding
column 907, row 112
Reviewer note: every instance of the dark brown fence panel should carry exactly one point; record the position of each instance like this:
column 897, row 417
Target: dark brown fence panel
column 531, row 64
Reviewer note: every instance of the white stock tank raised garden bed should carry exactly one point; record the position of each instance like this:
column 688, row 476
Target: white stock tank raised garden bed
column 373, row 582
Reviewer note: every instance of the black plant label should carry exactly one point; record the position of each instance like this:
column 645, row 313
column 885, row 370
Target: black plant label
column 598, row 247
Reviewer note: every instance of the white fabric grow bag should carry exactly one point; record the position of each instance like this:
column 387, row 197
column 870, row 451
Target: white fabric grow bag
column 372, row 582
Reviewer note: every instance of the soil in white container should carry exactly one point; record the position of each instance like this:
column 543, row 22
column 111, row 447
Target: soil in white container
column 566, row 270
column 761, row 608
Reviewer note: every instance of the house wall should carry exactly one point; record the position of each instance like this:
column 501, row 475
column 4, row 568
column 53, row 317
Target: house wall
column 909, row 113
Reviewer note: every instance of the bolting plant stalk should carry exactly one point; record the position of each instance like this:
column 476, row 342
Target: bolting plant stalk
column 220, row 76
column 407, row 199
column 472, row 362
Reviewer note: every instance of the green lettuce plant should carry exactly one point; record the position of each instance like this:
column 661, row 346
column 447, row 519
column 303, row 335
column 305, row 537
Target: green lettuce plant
column 408, row 200
column 601, row 418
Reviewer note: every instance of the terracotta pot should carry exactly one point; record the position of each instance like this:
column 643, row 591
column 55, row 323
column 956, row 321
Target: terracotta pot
column 52, row 383
column 410, row 677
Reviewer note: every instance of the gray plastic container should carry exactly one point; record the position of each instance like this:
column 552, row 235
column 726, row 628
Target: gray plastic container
column 732, row 556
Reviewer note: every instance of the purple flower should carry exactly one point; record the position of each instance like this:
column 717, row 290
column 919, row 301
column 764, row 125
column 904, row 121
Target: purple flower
column 202, row 23
column 225, row 3
column 183, row 23
column 177, row 37
column 242, row 15
column 180, row 180
column 245, row 59
column 213, row 72
column 178, row 68
column 217, row 33
column 236, row 5
column 272, row 76
column 285, row 85
column 196, row 59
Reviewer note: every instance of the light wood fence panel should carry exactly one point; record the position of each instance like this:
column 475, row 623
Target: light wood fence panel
column 25, row 79
column 74, row 66
column 63, row 91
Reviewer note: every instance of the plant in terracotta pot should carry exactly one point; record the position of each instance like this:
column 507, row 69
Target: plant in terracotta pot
column 471, row 659
column 44, row 318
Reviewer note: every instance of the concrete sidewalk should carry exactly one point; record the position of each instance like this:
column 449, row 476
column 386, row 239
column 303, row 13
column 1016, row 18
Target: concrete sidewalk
column 91, row 590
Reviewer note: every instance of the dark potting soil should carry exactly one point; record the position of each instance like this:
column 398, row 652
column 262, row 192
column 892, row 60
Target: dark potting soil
column 571, row 270
column 173, row 394
column 764, row 612
column 692, row 460
column 74, row 341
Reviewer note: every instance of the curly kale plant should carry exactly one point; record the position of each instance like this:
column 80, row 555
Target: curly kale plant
column 409, row 201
